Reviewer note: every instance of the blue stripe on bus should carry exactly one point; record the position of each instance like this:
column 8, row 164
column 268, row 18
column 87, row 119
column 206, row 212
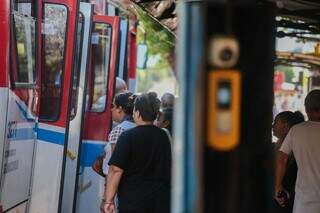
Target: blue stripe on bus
column 24, row 134
column 89, row 152
column 21, row 134
column 51, row 136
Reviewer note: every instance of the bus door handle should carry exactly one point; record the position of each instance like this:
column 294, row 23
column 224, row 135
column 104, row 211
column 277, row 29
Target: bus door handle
column 71, row 155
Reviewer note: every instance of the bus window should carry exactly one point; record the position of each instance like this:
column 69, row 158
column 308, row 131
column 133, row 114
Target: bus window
column 25, row 7
column 54, row 34
column 101, row 46
column 23, row 58
column 77, row 63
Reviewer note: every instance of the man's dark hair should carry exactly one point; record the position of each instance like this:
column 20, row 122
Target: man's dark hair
column 312, row 101
column 148, row 105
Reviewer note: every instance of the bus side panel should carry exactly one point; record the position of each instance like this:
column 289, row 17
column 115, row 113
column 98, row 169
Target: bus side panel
column 91, row 185
column 3, row 116
column 47, row 169
column 18, row 152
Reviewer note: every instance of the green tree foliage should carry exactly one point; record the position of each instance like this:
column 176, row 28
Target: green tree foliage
column 158, row 38
column 160, row 44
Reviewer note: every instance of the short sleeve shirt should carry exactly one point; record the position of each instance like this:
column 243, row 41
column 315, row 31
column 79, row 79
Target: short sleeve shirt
column 304, row 141
column 144, row 153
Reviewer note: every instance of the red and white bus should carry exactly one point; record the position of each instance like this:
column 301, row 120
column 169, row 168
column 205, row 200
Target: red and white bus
column 59, row 61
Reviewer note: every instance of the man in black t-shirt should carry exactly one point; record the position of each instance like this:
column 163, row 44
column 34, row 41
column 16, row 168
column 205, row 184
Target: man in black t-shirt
column 140, row 166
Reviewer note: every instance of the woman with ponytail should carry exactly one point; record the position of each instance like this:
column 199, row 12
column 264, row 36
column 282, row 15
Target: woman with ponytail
column 122, row 109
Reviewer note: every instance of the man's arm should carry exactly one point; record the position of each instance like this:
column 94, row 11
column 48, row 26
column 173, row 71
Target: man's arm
column 282, row 159
column 113, row 179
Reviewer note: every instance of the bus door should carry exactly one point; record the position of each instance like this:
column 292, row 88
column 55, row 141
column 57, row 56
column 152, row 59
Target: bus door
column 97, row 121
column 57, row 35
column 128, row 52
column 18, row 103
column 132, row 54
column 123, row 58
column 77, row 107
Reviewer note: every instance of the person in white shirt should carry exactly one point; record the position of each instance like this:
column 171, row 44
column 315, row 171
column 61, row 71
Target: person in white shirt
column 303, row 140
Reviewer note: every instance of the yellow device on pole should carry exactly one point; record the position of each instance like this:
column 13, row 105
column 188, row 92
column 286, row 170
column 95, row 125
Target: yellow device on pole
column 224, row 108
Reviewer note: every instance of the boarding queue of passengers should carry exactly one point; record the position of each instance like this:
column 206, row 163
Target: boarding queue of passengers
column 137, row 159
column 136, row 162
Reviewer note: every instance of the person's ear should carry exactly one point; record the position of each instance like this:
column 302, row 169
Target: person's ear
column 136, row 113
column 120, row 108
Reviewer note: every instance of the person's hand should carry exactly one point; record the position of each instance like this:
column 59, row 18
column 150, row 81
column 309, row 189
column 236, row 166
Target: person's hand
column 109, row 207
column 281, row 196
